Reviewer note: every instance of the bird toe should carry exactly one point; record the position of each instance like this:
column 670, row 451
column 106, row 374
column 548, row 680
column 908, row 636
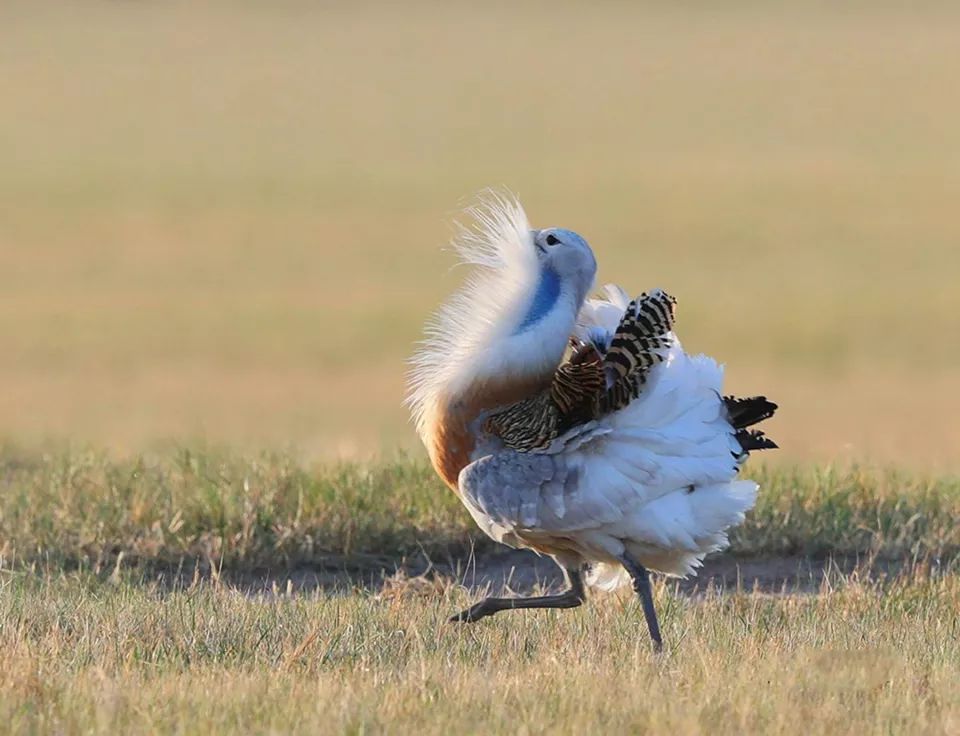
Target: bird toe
column 470, row 615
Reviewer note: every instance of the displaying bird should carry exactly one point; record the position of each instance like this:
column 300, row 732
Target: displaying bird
column 573, row 426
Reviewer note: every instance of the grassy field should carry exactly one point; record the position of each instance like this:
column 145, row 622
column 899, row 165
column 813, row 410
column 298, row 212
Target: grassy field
column 244, row 514
column 129, row 603
column 859, row 658
column 221, row 229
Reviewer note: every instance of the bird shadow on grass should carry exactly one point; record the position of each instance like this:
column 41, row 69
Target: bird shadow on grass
column 521, row 572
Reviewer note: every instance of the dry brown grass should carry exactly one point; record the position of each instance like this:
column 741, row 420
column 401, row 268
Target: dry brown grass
column 224, row 220
column 859, row 658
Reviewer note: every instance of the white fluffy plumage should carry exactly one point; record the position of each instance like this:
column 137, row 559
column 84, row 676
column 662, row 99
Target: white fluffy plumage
column 471, row 337
column 674, row 437
column 650, row 485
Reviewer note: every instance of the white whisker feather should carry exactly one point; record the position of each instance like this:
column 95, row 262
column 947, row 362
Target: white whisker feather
column 466, row 339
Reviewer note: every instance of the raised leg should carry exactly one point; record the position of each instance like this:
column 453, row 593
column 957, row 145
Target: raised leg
column 570, row 598
column 641, row 584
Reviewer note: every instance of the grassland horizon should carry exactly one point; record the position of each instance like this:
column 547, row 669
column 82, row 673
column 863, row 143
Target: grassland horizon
column 226, row 224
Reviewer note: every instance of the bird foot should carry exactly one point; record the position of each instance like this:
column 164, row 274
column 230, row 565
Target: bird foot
column 476, row 612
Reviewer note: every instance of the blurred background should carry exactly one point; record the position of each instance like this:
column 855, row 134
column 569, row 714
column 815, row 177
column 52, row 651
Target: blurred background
column 225, row 222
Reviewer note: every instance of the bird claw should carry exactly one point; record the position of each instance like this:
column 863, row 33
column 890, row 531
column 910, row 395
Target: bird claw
column 468, row 616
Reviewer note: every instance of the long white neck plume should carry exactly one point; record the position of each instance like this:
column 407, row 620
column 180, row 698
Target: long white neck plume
column 484, row 331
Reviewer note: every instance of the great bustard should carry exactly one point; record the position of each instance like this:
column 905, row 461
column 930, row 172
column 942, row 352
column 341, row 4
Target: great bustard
column 577, row 427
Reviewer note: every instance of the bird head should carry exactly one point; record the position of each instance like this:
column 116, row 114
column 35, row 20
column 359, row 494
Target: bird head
column 569, row 256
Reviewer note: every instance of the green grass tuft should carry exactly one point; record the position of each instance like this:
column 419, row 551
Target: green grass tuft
column 250, row 512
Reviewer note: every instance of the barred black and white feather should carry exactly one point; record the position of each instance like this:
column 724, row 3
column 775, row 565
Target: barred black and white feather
column 572, row 398
column 642, row 340
column 592, row 383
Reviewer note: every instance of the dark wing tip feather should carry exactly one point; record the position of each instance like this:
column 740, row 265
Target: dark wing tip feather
column 754, row 439
column 749, row 411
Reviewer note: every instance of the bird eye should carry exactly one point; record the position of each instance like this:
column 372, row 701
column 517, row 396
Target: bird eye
column 552, row 239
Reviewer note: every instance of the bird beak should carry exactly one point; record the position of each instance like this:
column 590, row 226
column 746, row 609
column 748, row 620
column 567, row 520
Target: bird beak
column 536, row 242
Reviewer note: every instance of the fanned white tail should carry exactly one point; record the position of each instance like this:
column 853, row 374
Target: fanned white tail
column 676, row 447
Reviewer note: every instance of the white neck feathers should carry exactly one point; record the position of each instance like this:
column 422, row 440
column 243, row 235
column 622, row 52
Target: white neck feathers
column 486, row 331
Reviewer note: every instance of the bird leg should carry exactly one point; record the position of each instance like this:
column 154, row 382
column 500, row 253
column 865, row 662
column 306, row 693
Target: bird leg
column 570, row 598
column 641, row 584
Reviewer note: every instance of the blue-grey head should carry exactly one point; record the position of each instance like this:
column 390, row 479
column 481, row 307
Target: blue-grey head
column 566, row 263
column 569, row 256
